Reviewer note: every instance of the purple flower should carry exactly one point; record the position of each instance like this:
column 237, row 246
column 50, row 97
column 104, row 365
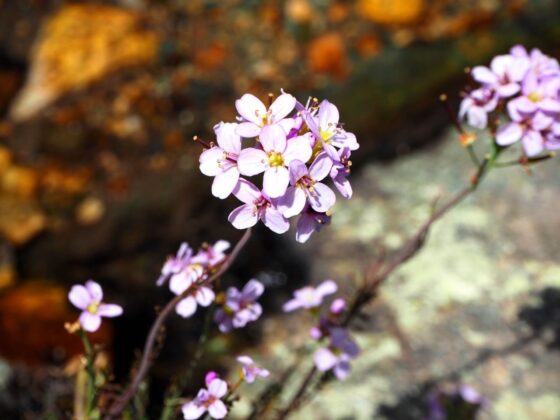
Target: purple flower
column 504, row 75
column 191, row 274
column 89, row 300
column 340, row 171
column 338, row 355
column 274, row 158
column 310, row 297
column 202, row 296
column 251, row 370
column 540, row 64
column 447, row 404
column 208, row 400
column 305, row 187
column 326, row 128
column 221, row 161
column 255, row 116
column 258, row 206
column 528, row 129
column 337, row 306
column 212, row 255
column 310, row 221
column 176, row 264
column 537, row 95
column 476, row 107
column 240, row 307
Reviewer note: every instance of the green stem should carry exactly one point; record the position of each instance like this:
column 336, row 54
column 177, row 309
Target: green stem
column 90, row 355
column 473, row 156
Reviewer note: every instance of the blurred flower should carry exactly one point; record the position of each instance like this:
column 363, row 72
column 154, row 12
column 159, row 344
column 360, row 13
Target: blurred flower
column 240, row 307
column 208, row 400
column 504, row 74
column 212, row 255
column 202, row 296
column 310, row 297
column 338, row 355
column 251, row 370
column 89, row 300
column 310, row 221
column 462, row 402
column 176, row 264
column 476, row 106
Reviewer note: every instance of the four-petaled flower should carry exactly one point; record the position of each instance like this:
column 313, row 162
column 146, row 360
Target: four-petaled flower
column 89, row 299
column 208, row 400
column 274, row 158
column 310, row 221
column 258, row 206
column 251, row 370
column 175, row 265
column 240, row 307
column 310, row 297
column 338, row 355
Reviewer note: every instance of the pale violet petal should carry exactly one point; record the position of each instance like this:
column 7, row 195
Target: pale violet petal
column 273, row 138
column 217, row 409
column 322, row 198
column 324, row 359
column 225, row 182
column 275, row 181
column 297, row 148
column 210, row 161
column 282, row 106
column 248, row 129
column 509, row 134
column 484, row 75
column 95, row 290
column 293, row 202
column 320, row 167
column 79, row 297
column 227, row 137
column 274, row 220
column 192, row 410
column 243, row 217
column 218, row 388
column 90, row 322
column 246, row 192
column 109, row 310
column 252, row 161
column 251, row 108
column 205, row 296
column 328, row 115
column 533, row 143
column 186, row 307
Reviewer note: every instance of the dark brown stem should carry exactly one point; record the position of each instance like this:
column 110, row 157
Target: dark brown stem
column 119, row 405
column 294, row 403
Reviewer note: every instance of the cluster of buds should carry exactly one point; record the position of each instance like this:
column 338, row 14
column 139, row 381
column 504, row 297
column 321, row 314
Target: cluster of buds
column 340, row 348
column 296, row 148
column 190, row 271
column 527, row 87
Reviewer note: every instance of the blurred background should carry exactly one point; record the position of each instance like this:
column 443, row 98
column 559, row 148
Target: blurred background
column 99, row 101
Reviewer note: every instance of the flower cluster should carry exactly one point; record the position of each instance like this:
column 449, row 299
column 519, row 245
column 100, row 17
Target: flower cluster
column 240, row 306
column 527, row 86
column 89, row 299
column 190, row 271
column 341, row 348
column 296, row 148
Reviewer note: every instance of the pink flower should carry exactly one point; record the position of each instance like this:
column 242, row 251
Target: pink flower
column 240, row 307
column 529, row 130
column 274, row 159
column 89, row 300
column 251, row 370
column 258, row 206
column 176, row 264
column 338, row 355
column 221, row 161
column 310, row 297
column 305, row 187
column 340, row 171
column 255, row 115
column 504, row 75
column 212, row 255
column 208, row 400
column 476, row 107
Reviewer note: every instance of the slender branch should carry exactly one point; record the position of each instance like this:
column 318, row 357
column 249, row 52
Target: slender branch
column 120, row 404
column 90, row 371
column 294, row 403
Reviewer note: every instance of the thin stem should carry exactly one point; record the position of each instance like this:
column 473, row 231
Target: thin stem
column 473, row 156
column 90, row 371
column 145, row 362
column 175, row 390
column 294, row 402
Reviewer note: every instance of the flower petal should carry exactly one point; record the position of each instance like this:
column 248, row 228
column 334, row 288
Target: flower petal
column 79, row 297
column 484, row 75
column 533, row 143
column 328, row 287
column 252, row 161
column 509, row 134
column 180, row 282
column 297, row 148
column 227, row 137
column 205, row 296
column 253, row 290
column 109, row 310
column 324, row 359
column 273, row 138
column 321, row 198
column 186, row 307
column 95, row 290
column 90, row 322
column 248, row 130
column 320, row 167
column 192, row 410
column 298, row 170
column 243, row 217
column 210, row 161
column 217, row 409
column 274, row 220
column 275, row 181
column 218, row 388
column 251, row 108
column 293, row 202
column 282, row 106
column 305, row 228
column 225, row 182
column 246, row 192
column 328, row 115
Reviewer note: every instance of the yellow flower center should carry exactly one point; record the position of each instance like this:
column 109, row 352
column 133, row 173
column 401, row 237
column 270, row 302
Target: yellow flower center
column 275, row 159
column 534, row 97
column 93, row 307
column 326, row 135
